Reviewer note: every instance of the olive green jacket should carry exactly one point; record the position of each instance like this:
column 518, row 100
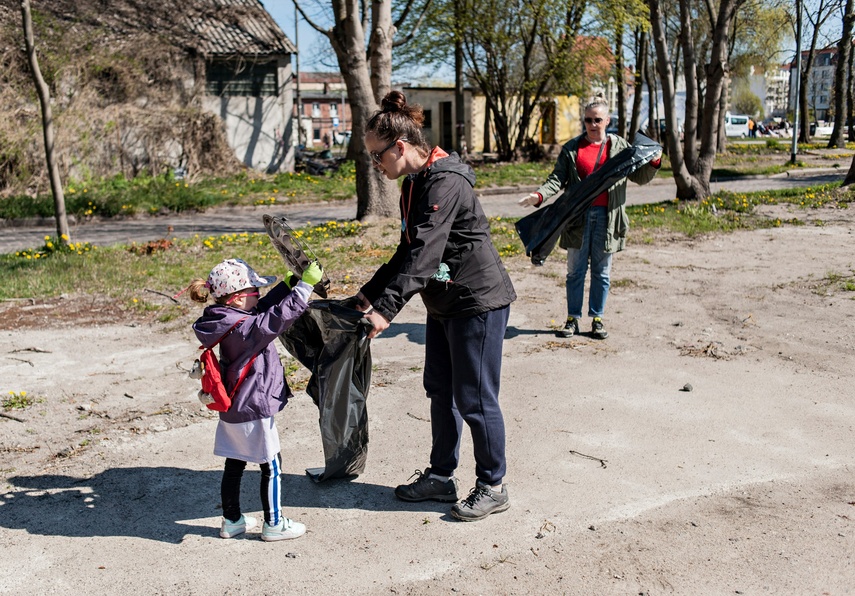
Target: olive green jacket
column 565, row 174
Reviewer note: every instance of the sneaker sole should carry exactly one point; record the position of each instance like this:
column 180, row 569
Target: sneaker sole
column 441, row 499
column 278, row 538
column 231, row 534
column 463, row 518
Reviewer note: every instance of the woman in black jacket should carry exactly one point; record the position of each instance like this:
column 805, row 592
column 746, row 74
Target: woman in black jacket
column 446, row 255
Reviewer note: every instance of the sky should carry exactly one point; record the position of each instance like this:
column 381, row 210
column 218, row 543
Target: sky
column 315, row 51
column 312, row 45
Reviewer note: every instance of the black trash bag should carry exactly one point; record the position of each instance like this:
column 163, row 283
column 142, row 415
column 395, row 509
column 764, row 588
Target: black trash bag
column 331, row 340
column 540, row 231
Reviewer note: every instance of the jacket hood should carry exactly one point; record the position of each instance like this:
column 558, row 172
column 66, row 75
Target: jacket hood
column 453, row 165
column 215, row 322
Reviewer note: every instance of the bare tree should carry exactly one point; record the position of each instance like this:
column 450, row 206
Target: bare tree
column 816, row 18
column 43, row 92
column 695, row 182
column 638, row 83
column 362, row 38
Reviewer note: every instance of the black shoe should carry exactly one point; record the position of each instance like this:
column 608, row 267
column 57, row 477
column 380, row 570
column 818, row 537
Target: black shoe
column 597, row 329
column 425, row 488
column 481, row 502
column 571, row 328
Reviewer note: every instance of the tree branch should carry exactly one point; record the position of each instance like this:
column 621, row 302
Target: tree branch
column 415, row 29
column 312, row 24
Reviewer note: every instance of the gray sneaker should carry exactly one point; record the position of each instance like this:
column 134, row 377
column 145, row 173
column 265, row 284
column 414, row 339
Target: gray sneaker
column 571, row 328
column 425, row 488
column 481, row 502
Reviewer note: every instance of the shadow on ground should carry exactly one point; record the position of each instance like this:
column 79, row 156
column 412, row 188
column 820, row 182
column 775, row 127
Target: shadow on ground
column 152, row 502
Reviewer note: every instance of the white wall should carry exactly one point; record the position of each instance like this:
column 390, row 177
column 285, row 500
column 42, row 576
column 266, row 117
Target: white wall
column 256, row 126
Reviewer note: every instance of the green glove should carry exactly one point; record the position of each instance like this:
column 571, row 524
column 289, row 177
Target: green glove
column 313, row 273
column 291, row 279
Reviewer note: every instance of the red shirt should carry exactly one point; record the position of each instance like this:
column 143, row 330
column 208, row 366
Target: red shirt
column 585, row 158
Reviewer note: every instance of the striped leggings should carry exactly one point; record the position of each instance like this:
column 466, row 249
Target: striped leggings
column 270, row 489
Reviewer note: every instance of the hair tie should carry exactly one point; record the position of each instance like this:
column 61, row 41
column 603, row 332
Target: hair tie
column 184, row 290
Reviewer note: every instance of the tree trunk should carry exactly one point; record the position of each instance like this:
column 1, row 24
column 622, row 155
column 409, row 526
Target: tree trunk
column 619, row 79
column 690, row 126
column 638, row 84
column 717, row 73
column 850, row 104
column 62, row 232
column 376, row 196
column 688, row 186
column 850, row 175
column 652, row 99
column 844, row 48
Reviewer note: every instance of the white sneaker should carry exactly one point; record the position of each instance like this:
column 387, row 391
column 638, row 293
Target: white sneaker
column 286, row 530
column 230, row 529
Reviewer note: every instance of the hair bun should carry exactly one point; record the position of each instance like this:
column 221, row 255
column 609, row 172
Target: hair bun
column 394, row 102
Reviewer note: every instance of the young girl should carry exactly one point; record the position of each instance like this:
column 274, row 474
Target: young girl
column 246, row 326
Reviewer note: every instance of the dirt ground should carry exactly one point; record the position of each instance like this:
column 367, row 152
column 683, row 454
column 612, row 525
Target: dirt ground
column 622, row 480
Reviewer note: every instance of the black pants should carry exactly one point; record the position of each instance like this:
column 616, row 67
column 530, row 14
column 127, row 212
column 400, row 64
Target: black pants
column 463, row 369
column 270, row 489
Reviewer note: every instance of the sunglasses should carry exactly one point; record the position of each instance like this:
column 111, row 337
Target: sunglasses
column 593, row 120
column 236, row 296
column 378, row 156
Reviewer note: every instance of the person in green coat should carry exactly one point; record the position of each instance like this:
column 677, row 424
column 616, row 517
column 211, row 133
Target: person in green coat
column 602, row 231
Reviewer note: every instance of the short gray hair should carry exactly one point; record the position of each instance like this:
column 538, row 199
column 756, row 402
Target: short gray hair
column 597, row 101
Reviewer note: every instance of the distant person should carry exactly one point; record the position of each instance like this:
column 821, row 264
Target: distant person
column 445, row 254
column 752, row 128
column 326, row 140
column 245, row 326
column 603, row 229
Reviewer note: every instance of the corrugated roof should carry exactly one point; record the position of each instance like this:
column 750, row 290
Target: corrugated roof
column 238, row 27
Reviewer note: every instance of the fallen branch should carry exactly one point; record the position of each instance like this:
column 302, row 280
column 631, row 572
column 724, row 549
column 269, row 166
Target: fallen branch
column 162, row 294
column 10, row 417
column 602, row 461
column 37, row 350
column 22, row 360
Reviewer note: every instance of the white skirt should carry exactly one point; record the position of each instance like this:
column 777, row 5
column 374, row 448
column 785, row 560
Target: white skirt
column 256, row 441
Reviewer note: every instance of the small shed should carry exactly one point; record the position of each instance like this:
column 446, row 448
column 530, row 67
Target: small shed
column 248, row 80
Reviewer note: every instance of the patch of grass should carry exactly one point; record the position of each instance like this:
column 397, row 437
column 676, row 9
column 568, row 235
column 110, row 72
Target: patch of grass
column 118, row 196
column 834, row 281
column 512, row 174
column 17, row 400
column 132, row 276
column 726, row 211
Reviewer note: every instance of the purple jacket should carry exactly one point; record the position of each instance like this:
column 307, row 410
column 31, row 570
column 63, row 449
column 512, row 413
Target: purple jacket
column 264, row 390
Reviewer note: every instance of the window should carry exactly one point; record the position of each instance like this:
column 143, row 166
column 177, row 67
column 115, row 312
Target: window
column 317, row 134
column 225, row 78
column 316, row 110
column 428, row 122
column 333, row 110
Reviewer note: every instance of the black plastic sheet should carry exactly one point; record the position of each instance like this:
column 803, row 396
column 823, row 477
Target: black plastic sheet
column 331, row 340
column 540, row 231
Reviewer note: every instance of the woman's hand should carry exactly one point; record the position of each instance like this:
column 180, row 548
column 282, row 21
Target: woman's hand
column 532, row 199
column 378, row 322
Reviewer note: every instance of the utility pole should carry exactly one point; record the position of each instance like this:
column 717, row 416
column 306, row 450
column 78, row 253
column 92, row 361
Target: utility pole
column 797, row 78
column 297, row 77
